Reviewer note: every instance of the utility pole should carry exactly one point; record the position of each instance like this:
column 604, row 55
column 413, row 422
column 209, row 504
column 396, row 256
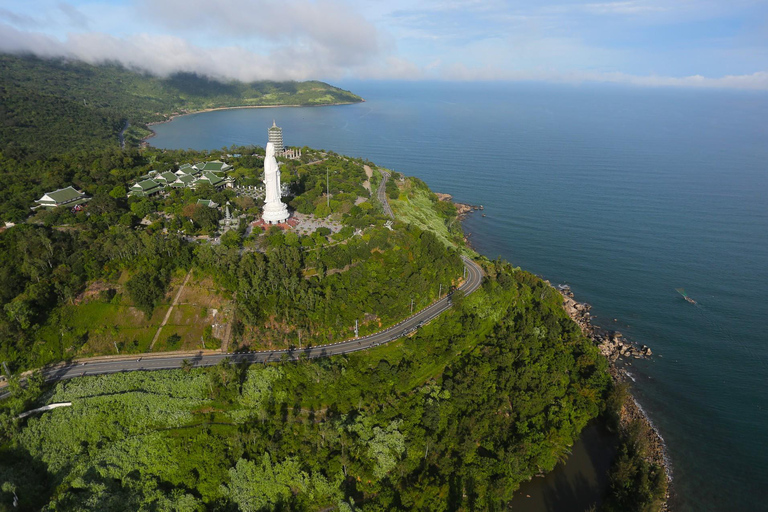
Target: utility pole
column 356, row 332
column 411, row 305
column 465, row 272
column 327, row 188
column 115, row 343
column 440, row 293
column 7, row 373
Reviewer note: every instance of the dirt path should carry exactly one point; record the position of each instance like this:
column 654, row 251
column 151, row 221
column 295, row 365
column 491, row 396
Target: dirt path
column 229, row 311
column 367, row 183
column 170, row 310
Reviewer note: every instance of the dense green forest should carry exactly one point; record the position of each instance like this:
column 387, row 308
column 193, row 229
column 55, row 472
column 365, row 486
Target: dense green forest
column 287, row 287
column 53, row 105
column 452, row 419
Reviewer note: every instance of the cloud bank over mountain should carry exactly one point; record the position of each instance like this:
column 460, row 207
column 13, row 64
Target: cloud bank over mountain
column 690, row 43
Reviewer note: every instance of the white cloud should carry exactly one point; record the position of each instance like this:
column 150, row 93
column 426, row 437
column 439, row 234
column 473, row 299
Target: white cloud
column 555, row 40
column 163, row 55
column 754, row 81
column 330, row 29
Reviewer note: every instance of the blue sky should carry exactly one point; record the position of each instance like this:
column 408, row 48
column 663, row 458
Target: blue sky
column 696, row 43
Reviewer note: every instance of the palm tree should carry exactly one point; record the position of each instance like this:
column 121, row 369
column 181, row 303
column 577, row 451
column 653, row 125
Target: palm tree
column 186, row 365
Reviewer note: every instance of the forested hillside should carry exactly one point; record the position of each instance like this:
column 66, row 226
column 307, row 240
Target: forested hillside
column 51, row 106
column 452, row 419
column 287, row 287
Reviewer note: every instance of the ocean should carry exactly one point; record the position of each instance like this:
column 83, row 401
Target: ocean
column 623, row 193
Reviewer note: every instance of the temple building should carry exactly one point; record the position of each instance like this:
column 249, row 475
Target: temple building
column 145, row 188
column 187, row 176
column 63, row 197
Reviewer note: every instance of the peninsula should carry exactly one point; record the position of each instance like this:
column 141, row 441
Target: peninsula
column 355, row 428
column 355, row 355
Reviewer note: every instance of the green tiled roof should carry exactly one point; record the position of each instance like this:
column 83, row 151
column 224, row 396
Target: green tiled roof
column 207, row 202
column 188, row 171
column 61, row 196
column 186, row 179
column 214, row 166
column 167, row 176
column 212, row 178
column 146, row 185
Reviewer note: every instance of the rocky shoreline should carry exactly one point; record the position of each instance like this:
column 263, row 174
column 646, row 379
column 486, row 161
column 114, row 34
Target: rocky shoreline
column 614, row 347
column 462, row 209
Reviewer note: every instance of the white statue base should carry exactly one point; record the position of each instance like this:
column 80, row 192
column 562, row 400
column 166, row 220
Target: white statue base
column 275, row 213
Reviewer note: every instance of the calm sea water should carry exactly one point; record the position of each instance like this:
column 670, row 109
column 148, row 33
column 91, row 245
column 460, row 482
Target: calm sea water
column 625, row 194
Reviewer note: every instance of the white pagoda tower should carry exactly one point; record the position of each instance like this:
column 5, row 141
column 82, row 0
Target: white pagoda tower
column 275, row 210
column 276, row 137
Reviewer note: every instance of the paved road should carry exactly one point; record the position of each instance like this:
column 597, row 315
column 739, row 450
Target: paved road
column 472, row 283
column 382, row 193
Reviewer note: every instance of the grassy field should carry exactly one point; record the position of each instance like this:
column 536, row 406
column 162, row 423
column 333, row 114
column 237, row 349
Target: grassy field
column 95, row 327
column 416, row 206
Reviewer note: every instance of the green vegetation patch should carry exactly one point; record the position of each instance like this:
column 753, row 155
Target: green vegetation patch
column 419, row 206
column 490, row 393
column 56, row 105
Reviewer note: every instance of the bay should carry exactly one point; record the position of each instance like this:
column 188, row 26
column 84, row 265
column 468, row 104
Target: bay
column 623, row 193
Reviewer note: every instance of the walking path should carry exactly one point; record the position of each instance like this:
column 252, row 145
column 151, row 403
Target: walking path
column 170, row 310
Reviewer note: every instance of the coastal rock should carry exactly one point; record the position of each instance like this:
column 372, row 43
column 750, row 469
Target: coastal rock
column 612, row 346
column 462, row 209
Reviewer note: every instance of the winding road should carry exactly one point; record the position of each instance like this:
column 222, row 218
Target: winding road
column 114, row 364
column 382, row 194
column 172, row 361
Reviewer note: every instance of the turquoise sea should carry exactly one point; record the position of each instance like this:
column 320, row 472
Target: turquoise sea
column 623, row 193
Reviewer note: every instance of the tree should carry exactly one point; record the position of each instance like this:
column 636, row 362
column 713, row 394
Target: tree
column 231, row 239
column 205, row 217
column 262, row 486
column 173, row 341
column 143, row 207
column 146, row 288
column 118, row 192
